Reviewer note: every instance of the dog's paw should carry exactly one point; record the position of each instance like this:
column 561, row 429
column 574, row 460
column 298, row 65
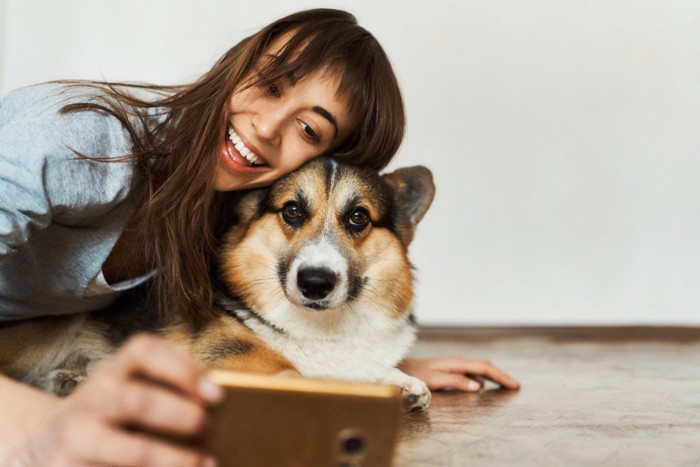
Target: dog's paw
column 415, row 393
column 62, row 382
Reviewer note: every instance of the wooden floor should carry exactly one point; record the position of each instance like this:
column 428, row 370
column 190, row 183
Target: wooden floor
column 609, row 396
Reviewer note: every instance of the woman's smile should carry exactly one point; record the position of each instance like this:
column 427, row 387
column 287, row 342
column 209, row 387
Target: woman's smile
column 240, row 146
column 236, row 156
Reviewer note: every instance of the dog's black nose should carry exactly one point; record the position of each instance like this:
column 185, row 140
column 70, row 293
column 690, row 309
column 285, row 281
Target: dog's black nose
column 316, row 283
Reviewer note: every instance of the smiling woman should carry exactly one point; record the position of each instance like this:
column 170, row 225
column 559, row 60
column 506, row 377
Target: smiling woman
column 108, row 185
column 309, row 84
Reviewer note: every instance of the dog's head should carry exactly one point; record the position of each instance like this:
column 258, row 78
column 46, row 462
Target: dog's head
column 326, row 239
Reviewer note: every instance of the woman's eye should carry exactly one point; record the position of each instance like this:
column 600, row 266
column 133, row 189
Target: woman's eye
column 358, row 218
column 273, row 89
column 309, row 132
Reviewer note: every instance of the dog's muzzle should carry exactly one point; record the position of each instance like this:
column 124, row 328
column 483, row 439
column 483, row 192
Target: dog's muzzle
column 316, row 283
column 317, row 276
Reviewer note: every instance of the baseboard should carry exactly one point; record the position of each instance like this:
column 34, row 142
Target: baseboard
column 563, row 333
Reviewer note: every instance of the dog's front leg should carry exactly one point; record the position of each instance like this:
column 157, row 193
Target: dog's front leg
column 415, row 393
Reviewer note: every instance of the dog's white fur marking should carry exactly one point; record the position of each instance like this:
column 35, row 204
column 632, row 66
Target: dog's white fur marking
column 321, row 253
column 354, row 344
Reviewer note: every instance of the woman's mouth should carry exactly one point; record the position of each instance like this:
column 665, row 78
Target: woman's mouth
column 252, row 159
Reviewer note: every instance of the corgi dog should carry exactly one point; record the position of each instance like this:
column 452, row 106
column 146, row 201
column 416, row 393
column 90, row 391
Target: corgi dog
column 314, row 278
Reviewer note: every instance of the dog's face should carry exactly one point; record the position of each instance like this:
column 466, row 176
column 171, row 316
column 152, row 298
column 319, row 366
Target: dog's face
column 327, row 239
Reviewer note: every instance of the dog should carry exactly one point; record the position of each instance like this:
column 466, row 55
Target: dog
column 314, row 279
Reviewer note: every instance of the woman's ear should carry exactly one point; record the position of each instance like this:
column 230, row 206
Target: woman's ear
column 413, row 191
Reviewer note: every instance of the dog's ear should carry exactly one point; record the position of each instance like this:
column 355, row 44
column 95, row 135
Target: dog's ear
column 413, row 191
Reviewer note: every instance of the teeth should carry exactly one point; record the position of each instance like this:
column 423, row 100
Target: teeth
column 242, row 149
column 252, row 158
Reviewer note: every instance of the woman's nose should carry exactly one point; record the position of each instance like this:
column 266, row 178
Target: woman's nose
column 268, row 124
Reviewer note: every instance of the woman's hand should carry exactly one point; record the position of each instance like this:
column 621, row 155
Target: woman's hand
column 456, row 373
column 145, row 387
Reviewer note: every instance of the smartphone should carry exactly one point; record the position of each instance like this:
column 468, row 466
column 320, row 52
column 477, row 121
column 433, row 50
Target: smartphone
column 272, row 421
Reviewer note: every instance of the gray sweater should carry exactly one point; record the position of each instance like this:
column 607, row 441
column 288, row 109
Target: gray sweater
column 60, row 215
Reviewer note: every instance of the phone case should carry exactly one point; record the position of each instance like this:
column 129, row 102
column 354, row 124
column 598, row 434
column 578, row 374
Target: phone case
column 271, row 421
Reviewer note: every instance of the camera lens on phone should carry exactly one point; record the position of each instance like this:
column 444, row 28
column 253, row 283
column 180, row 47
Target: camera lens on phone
column 352, row 443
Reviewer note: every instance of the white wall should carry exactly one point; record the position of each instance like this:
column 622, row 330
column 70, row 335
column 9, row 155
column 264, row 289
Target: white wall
column 3, row 37
column 563, row 135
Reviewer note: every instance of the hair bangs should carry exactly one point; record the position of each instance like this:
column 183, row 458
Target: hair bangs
column 351, row 56
column 179, row 211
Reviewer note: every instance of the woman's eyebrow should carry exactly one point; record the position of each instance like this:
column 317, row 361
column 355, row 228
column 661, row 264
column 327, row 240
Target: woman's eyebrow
column 327, row 115
column 317, row 108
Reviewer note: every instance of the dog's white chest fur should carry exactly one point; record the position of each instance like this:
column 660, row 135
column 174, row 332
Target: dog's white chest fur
column 355, row 346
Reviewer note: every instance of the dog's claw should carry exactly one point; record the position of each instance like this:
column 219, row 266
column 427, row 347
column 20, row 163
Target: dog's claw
column 415, row 402
column 66, row 387
column 414, row 392
column 410, row 399
column 62, row 382
column 416, row 395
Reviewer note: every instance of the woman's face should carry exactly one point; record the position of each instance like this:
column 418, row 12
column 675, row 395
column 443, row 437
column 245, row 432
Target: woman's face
column 273, row 130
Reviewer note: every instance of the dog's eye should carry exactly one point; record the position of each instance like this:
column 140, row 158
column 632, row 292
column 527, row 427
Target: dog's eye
column 358, row 219
column 292, row 213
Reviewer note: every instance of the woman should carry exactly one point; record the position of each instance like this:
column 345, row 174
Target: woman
column 106, row 186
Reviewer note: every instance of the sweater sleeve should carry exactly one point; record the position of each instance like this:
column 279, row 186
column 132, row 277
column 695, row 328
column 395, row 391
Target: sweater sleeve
column 42, row 180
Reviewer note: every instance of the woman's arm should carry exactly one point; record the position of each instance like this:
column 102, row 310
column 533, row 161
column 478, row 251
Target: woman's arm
column 146, row 385
column 456, row 373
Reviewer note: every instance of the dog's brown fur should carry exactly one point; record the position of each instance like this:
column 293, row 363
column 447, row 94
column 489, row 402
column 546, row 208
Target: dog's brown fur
column 256, row 330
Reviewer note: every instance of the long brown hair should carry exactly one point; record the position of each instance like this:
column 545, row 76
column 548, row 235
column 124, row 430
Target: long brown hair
column 176, row 155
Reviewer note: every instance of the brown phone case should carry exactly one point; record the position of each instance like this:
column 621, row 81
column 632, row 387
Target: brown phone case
column 273, row 421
